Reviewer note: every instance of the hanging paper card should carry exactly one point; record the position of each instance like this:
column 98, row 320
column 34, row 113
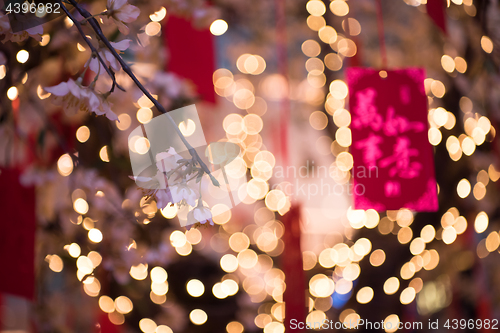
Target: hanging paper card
column 393, row 164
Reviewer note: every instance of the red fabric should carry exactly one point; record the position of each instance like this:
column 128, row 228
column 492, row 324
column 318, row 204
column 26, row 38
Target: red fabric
column 357, row 59
column 381, row 35
column 436, row 11
column 393, row 160
column 106, row 326
column 483, row 309
column 295, row 292
column 1, row 312
column 191, row 54
column 17, row 238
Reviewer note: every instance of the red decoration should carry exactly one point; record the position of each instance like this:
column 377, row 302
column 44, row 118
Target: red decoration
column 436, row 11
column 105, row 325
column 17, row 239
column 295, row 292
column 191, row 54
column 381, row 34
column 2, row 306
column 393, row 159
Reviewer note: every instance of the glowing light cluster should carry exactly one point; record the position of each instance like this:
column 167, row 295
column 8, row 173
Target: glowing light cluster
column 180, row 242
column 251, row 64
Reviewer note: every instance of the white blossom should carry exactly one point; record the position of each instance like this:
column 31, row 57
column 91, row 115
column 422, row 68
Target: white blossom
column 74, row 97
column 6, row 30
column 167, row 161
column 108, row 57
column 163, row 198
column 200, row 214
column 121, row 12
column 155, row 186
column 183, row 192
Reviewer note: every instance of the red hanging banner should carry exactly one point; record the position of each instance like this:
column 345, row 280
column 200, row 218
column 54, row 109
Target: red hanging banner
column 17, row 239
column 191, row 54
column 393, row 160
column 436, row 9
column 294, row 296
column 295, row 292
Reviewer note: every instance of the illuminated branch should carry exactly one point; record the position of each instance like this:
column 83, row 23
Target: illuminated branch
column 94, row 50
column 97, row 29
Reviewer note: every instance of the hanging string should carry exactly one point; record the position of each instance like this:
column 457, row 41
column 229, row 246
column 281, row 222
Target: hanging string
column 281, row 49
column 381, row 37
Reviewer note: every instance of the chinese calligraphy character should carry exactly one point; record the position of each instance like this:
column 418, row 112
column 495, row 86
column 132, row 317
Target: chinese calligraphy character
column 404, row 93
column 401, row 159
column 395, row 125
column 366, row 111
column 392, row 189
column 371, row 150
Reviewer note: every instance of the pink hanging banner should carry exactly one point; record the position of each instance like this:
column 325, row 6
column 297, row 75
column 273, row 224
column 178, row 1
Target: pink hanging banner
column 393, row 159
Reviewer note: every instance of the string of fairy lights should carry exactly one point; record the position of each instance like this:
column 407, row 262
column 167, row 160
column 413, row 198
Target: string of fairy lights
column 254, row 272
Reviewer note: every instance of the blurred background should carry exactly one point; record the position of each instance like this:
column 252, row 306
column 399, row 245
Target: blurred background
column 83, row 249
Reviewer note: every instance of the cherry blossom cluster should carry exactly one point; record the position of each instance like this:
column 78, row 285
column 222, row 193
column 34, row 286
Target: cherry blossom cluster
column 73, row 95
column 177, row 178
column 175, row 183
column 10, row 36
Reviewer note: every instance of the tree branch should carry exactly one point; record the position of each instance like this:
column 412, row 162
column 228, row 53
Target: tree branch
column 94, row 50
column 97, row 29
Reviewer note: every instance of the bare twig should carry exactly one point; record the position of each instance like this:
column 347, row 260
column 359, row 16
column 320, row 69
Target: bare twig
column 94, row 50
column 97, row 29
